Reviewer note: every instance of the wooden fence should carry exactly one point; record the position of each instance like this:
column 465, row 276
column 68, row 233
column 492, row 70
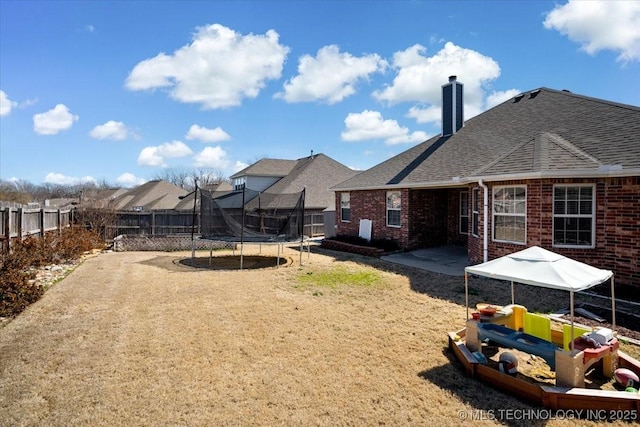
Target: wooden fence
column 19, row 222
column 169, row 223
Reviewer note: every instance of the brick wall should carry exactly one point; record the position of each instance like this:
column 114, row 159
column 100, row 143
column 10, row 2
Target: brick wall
column 373, row 205
column 430, row 218
column 617, row 246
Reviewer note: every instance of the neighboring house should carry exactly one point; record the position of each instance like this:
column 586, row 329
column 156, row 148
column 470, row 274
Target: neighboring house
column 216, row 190
column 315, row 174
column 152, row 195
column 547, row 168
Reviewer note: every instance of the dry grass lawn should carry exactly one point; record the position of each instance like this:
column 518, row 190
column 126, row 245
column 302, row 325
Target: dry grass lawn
column 139, row 339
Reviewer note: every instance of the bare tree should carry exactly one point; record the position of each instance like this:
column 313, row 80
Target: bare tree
column 179, row 177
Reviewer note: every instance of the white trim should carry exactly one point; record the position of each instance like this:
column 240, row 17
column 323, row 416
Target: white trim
column 593, row 215
column 466, row 214
column 474, row 208
column 387, row 209
column 458, row 181
column 341, row 208
column 508, row 214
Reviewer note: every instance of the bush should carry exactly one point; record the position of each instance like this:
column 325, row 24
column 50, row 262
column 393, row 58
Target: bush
column 18, row 288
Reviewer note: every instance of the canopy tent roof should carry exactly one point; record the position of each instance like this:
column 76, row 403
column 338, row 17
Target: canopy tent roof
column 536, row 266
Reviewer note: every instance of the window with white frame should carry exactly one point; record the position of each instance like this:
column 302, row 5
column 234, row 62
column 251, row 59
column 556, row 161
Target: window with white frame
column 573, row 215
column 475, row 215
column 345, row 207
column 238, row 183
column 510, row 214
column 393, row 208
column 464, row 212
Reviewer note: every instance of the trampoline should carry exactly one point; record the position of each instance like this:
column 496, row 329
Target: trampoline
column 246, row 216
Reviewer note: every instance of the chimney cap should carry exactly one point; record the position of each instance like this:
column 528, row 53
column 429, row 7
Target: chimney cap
column 452, row 78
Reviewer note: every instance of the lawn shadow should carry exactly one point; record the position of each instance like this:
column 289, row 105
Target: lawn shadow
column 488, row 403
column 451, row 288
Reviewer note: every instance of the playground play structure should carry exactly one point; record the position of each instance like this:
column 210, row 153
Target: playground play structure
column 571, row 352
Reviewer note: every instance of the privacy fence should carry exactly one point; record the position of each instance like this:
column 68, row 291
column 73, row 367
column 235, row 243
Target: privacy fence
column 19, row 222
column 170, row 223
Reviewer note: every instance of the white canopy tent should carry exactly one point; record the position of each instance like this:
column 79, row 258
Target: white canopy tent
column 536, row 266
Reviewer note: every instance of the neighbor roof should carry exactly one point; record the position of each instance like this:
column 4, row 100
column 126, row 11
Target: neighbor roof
column 316, row 174
column 541, row 133
column 152, row 195
column 267, row 167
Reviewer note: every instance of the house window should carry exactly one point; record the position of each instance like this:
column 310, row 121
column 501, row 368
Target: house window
column 573, row 219
column 393, row 208
column 510, row 214
column 464, row 212
column 475, row 199
column 238, row 183
column 345, row 207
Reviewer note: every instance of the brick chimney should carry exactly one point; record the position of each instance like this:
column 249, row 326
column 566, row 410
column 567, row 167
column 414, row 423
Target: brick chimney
column 452, row 114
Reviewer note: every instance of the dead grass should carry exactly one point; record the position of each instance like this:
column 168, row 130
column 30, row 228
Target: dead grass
column 141, row 339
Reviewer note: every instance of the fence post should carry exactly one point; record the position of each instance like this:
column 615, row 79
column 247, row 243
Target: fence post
column 59, row 225
column 20, row 222
column 43, row 228
column 153, row 223
column 6, row 212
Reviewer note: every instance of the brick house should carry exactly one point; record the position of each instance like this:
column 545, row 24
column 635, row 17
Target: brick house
column 547, row 168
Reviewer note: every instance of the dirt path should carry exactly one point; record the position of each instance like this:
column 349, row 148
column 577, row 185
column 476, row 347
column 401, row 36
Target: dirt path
column 139, row 339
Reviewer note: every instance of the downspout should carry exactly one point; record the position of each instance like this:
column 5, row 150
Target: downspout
column 485, row 213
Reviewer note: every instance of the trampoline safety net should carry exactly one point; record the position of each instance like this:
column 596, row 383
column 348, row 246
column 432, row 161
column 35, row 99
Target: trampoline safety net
column 251, row 216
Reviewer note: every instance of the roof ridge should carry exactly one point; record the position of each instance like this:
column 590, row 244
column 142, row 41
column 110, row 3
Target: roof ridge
column 500, row 158
column 569, row 146
column 585, row 97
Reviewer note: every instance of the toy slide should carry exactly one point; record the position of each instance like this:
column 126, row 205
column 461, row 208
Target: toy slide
column 518, row 340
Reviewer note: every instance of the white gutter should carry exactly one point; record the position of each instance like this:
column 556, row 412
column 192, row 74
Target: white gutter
column 485, row 213
column 603, row 172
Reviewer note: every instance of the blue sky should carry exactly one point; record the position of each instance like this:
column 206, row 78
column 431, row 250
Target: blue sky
column 121, row 91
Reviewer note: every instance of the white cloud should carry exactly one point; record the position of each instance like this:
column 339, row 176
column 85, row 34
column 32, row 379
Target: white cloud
column 211, row 157
column 207, row 135
column 218, row 69
column 238, row 166
column 600, row 25
column 499, row 97
column 53, row 121
column 370, row 125
column 331, row 76
column 6, row 105
column 129, row 180
column 110, row 130
column 420, row 78
column 156, row 155
column 58, row 178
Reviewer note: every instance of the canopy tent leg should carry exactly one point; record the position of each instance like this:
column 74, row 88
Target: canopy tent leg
column 571, row 309
column 613, row 304
column 513, row 294
column 466, row 294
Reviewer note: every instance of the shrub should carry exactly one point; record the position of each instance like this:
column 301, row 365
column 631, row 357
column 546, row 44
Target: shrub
column 18, row 288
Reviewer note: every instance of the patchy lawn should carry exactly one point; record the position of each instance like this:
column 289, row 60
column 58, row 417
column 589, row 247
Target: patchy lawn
column 142, row 339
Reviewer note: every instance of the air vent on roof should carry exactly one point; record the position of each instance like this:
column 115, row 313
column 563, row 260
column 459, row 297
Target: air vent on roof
column 566, row 90
column 518, row 97
column 534, row 93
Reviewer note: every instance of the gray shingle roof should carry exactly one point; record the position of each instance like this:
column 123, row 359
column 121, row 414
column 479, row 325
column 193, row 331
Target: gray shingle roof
column 267, row 167
column 151, row 195
column 317, row 174
column 543, row 132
